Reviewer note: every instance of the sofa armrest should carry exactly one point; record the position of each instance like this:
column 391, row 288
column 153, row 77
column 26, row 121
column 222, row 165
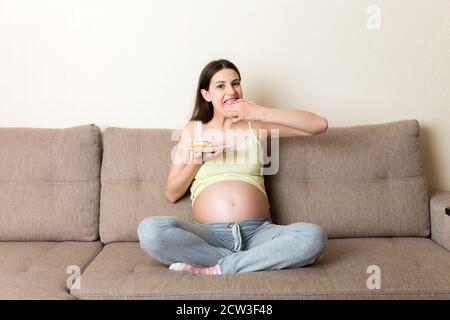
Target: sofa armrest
column 440, row 217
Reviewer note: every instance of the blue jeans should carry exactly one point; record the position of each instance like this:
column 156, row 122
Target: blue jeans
column 244, row 246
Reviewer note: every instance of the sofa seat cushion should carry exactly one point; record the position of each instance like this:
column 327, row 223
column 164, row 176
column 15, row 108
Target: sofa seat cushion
column 410, row 268
column 38, row 270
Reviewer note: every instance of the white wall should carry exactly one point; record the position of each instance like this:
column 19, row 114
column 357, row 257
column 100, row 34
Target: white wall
column 136, row 63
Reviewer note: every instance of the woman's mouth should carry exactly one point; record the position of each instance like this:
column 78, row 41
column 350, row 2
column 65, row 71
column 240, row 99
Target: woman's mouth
column 230, row 101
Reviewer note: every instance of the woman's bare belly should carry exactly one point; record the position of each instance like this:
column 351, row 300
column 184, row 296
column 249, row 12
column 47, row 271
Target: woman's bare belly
column 230, row 201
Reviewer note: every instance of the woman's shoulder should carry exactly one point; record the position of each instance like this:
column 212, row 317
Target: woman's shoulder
column 190, row 124
column 187, row 133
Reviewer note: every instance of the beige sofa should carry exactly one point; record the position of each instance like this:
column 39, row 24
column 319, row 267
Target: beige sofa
column 70, row 203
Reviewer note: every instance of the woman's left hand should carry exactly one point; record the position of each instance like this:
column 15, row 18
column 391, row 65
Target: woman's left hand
column 243, row 110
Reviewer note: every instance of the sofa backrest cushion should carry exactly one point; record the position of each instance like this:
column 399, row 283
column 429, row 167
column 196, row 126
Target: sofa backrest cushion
column 134, row 171
column 360, row 181
column 49, row 183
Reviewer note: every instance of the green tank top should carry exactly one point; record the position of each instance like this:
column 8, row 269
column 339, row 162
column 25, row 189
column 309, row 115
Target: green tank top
column 242, row 163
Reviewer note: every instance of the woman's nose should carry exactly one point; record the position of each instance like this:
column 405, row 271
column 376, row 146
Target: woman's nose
column 231, row 91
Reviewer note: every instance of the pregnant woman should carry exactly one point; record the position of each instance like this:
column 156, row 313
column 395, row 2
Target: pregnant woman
column 233, row 231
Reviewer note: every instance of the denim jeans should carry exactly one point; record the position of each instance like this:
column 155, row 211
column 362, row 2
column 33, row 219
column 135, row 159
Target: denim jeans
column 244, row 246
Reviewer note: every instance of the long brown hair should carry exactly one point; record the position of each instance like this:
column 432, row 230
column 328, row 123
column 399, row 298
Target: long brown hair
column 204, row 110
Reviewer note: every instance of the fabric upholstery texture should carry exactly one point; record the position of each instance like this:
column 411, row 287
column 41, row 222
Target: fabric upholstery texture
column 39, row 270
column 49, row 184
column 61, row 190
column 411, row 268
column 440, row 220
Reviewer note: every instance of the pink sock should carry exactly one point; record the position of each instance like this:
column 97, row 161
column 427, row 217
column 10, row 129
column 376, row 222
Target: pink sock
column 179, row 266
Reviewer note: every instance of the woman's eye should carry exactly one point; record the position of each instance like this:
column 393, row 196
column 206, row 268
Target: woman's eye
column 221, row 86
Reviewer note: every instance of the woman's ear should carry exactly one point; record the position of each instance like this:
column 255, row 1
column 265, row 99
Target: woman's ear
column 205, row 95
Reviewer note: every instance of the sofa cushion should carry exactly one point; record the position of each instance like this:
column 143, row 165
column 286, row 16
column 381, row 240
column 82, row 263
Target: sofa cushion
column 39, row 270
column 360, row 181
column 134, row 170
column 49, row 183
column 409, row 268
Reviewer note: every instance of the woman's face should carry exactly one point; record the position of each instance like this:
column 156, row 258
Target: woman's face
column 225, row 86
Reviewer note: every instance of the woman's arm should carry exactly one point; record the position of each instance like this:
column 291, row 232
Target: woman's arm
column 298, row 119
column 289, row 122
column 180, row 180
column 181, row 172
column 185, row 165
